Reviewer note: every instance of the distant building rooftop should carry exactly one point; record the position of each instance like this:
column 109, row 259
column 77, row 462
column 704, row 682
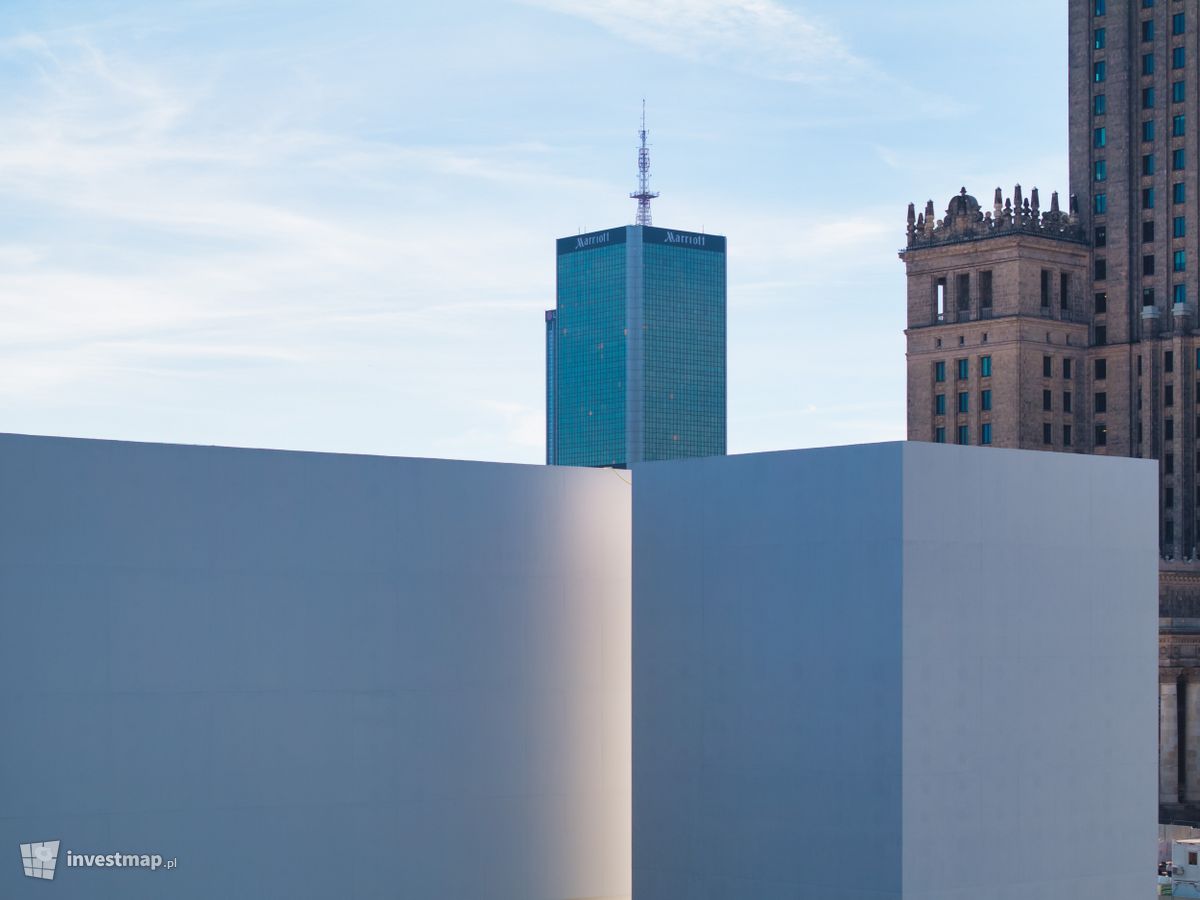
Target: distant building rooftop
column 966, row 221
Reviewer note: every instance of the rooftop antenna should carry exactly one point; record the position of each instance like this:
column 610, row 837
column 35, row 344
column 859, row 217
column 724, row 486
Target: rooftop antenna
column 643, row 195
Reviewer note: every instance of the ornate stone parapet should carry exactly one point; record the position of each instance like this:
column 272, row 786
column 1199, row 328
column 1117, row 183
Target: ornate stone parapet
column 965, row 220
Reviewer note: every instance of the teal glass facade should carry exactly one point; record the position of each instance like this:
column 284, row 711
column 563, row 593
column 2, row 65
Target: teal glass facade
column 635, row 350
column 589, row 385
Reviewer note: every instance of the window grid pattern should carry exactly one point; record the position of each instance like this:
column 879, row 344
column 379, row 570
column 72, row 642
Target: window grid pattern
column 590, row 427
column 684, row 342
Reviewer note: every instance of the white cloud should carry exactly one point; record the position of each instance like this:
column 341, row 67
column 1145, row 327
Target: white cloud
column 757, row 36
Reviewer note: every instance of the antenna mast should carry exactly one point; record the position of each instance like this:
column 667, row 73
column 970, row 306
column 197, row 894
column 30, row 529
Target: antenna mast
column 643, row 195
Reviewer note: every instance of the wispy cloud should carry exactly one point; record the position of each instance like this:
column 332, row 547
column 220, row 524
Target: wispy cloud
column 758, row 36
column 330, row 225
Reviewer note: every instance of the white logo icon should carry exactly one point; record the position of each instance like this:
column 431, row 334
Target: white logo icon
column 39, row 859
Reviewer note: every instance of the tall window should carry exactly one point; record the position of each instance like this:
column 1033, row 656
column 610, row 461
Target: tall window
column 1178, row 58
column 964, row 369
column 1066, row 370
column 1178, row 192
column 1178, row 158
column 1179, row 261
column 985, row 400
column 1045, row 288
column 1099, row 71
column 1047, row 366
column 1178, row 93
column 1100, row 236
column 964, row 402
column 1101, row 269
column 1100, row 137
column 1148, row 93
column 1101, row 369
column 1100, row 170
column 1046, row 403
column 939, row 405
column 985, row 433
column 985, row 367
column 1101, row 434
column 1047, row 433
column 1101, row 335
column 1148, row 264
column 962, row 291
column 1148, row 198
column 939, row 371
column 1178, row 125
column 1100, row 4
column 985, row 290
column 1179, row 293
column 1100, row 205
column 1148, row 164
column 1100, row 403
column 1148, row 130
column 1168, row 395
column 1066, row 401
column 964, row 435
column 1099, row 105
column 1177, row 23
column 1066, row 435
column 1099, row 39
column 1148, row 231
column 1148, row 30
column 1179, row 227
column 939, row 435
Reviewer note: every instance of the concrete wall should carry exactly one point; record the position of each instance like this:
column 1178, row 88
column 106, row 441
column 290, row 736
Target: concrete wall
column 767, row 682
column 1030, row 674
column 894, row 671
column 309, row 675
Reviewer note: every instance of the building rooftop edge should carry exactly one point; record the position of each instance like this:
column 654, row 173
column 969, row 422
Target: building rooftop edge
column 966, row 221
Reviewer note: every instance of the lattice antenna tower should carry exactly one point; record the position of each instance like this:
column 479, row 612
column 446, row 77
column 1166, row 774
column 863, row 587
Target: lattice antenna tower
column 643, row 195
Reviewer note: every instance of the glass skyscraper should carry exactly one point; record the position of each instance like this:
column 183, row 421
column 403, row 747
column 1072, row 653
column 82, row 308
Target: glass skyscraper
column 635, row 350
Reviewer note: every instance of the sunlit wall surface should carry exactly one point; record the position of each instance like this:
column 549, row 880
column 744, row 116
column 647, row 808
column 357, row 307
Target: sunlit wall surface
column 895, row 671
column 636, row 360
column 311, row 675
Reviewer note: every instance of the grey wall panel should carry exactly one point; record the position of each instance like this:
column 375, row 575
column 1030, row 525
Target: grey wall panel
column 894, row 671
column 311, row 675
column 767, row 673
column 1030, row 673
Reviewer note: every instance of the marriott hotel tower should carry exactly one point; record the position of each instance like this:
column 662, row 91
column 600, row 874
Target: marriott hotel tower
column 635, row 348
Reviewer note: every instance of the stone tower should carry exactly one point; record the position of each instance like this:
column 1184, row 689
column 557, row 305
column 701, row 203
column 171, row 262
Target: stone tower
column 1085, row 322
column 997, row 325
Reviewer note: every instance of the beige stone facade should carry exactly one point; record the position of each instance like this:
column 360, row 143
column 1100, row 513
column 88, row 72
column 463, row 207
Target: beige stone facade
column 997, row 329
column 1126, row 257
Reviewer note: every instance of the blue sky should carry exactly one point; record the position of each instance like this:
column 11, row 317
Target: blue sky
column 330, row 226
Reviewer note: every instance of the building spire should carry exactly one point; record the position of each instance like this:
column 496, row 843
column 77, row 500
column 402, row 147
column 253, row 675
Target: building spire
column 643, row 195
